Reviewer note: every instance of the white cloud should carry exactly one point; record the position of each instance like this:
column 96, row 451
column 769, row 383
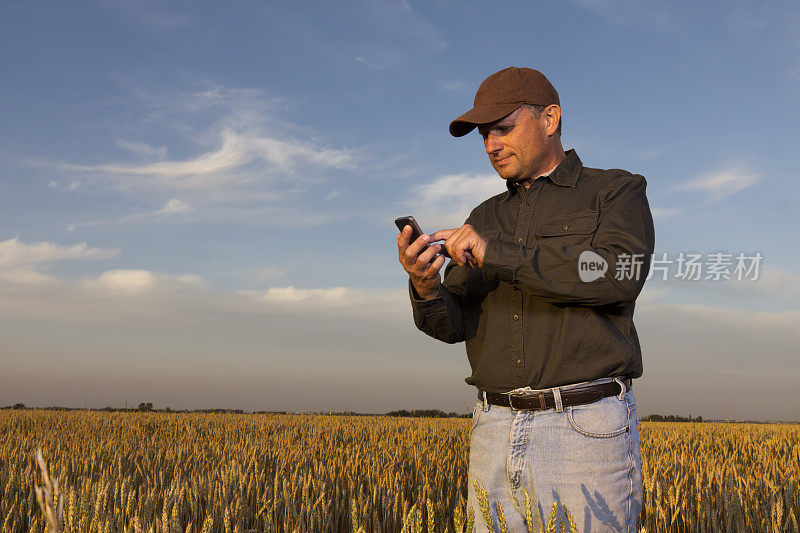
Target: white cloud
column 663, row 213
column 225, row 166
column 128, row 281
column 773, row 289
column 374, row 304
column 25, row 276
column 126, row 297
column 73, row 185
column 291, row 295
column 15, row 254
column 26, row 291
column 773, row 283
column 780, row 282
column 246, row 159
column 22, row 264
column 364, row 61
column 135, row 296
column 174, row 206
column 718, row 185
column 143, row 149
column 125, row 282
column 447, row 201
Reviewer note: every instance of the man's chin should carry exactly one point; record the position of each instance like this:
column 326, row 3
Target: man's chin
column 506, row 173
column 508, row 176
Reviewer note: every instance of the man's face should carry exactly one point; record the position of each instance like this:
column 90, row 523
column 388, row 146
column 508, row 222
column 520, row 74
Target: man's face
column 515, row 144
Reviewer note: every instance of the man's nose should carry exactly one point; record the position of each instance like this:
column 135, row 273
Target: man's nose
column 493, row 144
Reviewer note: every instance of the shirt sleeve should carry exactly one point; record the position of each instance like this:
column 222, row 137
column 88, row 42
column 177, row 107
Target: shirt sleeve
column 443, row 317
column 624, row 238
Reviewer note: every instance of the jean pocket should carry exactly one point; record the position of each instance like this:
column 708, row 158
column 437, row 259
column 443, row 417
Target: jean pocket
column 475, row 413
column 607, row 417
column 631, row 403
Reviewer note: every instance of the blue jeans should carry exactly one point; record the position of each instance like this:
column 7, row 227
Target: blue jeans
column 585, row 457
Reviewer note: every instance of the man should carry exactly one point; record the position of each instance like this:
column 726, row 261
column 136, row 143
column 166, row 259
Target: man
column 541, row 286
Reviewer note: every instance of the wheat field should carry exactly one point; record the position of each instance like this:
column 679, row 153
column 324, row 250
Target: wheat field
column 178, row 472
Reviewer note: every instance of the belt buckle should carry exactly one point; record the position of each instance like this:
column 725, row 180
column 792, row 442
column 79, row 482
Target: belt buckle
column 540, row 395
column 510, row 403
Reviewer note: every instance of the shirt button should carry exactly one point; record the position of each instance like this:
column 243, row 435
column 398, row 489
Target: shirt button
column 519, row 239
column 519, row 361
column 516, row 317
column 565, row 227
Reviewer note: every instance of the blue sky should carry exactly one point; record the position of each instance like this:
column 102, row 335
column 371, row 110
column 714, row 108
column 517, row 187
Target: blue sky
column 196, row 200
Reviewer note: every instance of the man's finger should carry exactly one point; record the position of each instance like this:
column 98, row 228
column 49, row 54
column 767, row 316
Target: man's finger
column 435, row 267
column 442, row 234
column 418, row 245
column 470, row 260
column 464, row 257
column 426, row 256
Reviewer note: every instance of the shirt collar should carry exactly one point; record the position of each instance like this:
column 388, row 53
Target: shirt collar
column 564, row 174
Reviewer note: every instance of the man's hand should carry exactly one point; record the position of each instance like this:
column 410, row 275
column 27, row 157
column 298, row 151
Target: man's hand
column 464, row 244
column 424, row 274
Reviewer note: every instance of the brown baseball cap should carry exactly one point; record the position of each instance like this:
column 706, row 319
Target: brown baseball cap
column 501, row 94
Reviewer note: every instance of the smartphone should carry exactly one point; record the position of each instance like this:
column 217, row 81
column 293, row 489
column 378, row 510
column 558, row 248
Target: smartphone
column 402, row 222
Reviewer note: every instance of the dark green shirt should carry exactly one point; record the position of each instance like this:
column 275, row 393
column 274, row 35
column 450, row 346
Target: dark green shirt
column 527, row 317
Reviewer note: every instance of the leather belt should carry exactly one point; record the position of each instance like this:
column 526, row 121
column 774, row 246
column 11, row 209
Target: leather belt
column 546, row 400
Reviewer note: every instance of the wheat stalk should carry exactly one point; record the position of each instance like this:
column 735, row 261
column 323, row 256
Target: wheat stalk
column 45, row 495
column 551, row 524
column 483, row 502
column 528, row 512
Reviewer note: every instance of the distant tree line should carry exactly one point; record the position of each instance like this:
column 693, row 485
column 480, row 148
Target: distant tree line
column 146, row 407
column 427, row 413
column 672, row 418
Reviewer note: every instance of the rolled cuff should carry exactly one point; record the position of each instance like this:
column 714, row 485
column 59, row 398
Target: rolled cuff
column 423, row 304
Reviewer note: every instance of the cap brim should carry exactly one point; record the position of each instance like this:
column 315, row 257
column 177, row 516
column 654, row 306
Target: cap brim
column 482, row 114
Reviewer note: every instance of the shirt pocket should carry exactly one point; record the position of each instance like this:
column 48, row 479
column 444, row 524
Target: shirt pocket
column 567, row 235
column 576, row 224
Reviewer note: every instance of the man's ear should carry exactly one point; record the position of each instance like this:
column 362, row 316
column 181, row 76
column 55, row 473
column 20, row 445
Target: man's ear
column 552, row 116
